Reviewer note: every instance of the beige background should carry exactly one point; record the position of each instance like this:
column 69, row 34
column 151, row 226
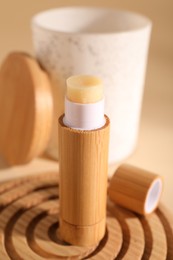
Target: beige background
column 155, row 147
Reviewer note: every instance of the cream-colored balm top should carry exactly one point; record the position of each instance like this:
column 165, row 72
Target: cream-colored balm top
column 84, row 89
column 84, row 103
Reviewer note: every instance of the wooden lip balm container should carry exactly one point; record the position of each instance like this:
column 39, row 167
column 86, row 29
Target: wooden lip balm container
column 83, row 164
column 135, row 189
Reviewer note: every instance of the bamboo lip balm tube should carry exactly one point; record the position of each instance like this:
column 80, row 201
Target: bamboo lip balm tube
column 83, row 146
column 135, row 189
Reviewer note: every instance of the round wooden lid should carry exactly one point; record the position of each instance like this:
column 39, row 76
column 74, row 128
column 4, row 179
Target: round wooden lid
column 26, row 109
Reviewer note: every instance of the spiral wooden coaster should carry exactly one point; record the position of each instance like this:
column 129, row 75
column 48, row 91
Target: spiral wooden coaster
column 29, row 209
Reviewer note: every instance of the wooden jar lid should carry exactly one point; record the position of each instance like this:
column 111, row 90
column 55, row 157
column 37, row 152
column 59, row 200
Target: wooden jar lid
column 26, row 109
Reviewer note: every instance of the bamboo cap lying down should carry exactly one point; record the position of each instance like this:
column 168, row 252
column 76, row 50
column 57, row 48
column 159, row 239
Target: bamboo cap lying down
column 135, row 189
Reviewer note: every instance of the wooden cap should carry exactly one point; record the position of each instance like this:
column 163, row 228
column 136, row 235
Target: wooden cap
column 26, row 109
column 135, row 189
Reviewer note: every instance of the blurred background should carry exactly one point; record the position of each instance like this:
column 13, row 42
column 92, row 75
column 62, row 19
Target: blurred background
column 155, row 144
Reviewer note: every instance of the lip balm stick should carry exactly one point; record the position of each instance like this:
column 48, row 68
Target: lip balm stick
column 83, row 146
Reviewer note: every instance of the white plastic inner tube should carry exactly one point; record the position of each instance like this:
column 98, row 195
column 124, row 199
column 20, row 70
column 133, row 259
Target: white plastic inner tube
column 153, row 196
column 84, row 116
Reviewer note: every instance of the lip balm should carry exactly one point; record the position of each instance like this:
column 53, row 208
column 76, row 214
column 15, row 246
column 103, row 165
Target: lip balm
column 83, row 146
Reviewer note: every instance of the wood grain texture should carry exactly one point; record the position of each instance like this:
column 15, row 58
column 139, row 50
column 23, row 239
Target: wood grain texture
column 29, row 227
column 26, row 109
column 166, row 218
column 83, row 181
column 133, row 235
column 129, row 187
column 157, row 249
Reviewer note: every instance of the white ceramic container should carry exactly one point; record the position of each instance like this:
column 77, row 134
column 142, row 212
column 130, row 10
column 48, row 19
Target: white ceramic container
column 111, row 44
